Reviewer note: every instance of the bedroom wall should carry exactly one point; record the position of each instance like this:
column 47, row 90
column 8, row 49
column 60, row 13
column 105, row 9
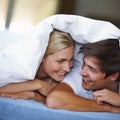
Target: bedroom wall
column 34, row 13
column 99, row 9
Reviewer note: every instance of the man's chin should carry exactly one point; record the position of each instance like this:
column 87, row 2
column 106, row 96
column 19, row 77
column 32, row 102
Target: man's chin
column 86, row 88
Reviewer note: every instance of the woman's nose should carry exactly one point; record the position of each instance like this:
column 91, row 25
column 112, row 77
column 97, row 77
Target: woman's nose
column 66, row 67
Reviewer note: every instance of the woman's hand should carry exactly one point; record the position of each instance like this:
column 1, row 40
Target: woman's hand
column 107, row 96
column 46, row 87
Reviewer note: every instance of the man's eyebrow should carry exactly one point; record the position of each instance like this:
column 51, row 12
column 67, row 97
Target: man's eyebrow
column 91, row 67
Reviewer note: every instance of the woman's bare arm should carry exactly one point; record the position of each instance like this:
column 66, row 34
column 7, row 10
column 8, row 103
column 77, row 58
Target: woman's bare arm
column 34, row 95
column 23, row 86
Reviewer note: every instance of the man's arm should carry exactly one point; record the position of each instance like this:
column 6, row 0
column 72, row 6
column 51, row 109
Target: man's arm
column 63, row 97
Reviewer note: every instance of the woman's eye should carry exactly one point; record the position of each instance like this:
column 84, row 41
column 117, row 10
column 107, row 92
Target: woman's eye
column 60, row 61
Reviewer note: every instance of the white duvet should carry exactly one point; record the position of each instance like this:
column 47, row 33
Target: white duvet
column 19, row 60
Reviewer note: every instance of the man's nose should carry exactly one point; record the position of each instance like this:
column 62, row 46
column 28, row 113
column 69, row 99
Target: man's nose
column 83, row 72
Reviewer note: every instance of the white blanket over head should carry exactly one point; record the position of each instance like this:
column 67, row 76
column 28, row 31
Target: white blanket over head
column 20, row 60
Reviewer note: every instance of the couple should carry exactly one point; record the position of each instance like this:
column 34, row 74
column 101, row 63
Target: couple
column 87, row 87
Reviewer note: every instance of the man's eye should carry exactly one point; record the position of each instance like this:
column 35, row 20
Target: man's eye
column 92, row 69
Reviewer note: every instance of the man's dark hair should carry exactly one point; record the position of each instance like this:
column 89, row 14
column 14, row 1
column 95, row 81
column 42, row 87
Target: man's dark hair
column 107, row 52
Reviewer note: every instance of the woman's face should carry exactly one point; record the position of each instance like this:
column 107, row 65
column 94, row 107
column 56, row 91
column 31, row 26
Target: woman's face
column 58, row 64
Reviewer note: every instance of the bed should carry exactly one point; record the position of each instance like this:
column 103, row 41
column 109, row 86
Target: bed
column 18, row 109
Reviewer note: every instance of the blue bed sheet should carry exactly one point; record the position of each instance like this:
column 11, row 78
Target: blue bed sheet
column 18, row 109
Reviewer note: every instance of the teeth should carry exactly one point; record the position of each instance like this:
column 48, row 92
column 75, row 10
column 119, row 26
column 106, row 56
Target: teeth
column 87, row 80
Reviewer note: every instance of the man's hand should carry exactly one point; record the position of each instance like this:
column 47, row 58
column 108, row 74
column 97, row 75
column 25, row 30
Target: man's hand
column 107, row 96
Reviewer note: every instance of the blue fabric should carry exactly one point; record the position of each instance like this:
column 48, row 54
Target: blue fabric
column 18, row 109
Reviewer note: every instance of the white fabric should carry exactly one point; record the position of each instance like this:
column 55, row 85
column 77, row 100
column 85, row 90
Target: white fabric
column 20, row 60
column 74, row 80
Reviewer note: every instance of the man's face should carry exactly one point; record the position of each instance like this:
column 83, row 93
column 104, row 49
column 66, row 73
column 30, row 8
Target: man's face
column 93, row 77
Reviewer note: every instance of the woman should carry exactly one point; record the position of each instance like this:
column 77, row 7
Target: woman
column 56, row 63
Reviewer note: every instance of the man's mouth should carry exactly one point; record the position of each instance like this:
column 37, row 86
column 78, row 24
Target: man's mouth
column 86, row 80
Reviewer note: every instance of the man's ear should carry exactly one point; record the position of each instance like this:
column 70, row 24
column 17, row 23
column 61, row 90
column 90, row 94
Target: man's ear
column 114, row 76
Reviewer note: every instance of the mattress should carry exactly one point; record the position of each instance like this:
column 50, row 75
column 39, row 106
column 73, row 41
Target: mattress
column 19, row 109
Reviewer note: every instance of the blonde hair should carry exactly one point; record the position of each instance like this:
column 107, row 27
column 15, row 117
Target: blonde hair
column 58, row 40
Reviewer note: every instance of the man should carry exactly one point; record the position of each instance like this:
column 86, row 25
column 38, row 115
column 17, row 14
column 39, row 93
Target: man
column 100, row 70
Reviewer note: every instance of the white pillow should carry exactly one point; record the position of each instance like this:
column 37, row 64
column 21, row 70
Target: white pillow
column 19, row 60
